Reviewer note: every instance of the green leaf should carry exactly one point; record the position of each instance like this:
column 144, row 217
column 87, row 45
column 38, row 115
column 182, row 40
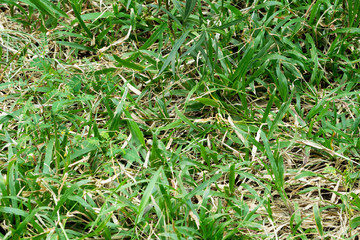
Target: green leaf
column 189, row 6
column 318, row 219
column 232, row 179
column 21, row 227
column 154, row 36
column 48, row 8
column 97, row 231
column 96, row 15
column 196, row 45
column 232, row 23
column 172, row 55
column 48, row 156
column 242, row 67
column 355, row 222
column 104, row 71
column 75, row 45
column 135, row 131
column 145, row 198
column 279, row 116
column 202, row 186
column 314, row 10
column 81, row 22
column 268, row 108
column 15, row 211
column 282, row 84
column 119, row 110
column 186, row 120
column 267, row 4
column 128, row 64
column 82, row 151
column 275, row 167
column 67, row 194
column 308, row 174
column 208, row 102
column 319, row 106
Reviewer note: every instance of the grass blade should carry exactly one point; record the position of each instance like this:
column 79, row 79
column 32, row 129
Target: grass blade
column 189, row 7
column 75, row 45
column 318, row 222
column 81, row 22
column 119, row 110
column 232, row 179
column 48, row 156
column 146, row 197
column 282, row 84
column 128, row 64
column 172, row 55
column 154, row 37
column 48, row 8
column 186, row 120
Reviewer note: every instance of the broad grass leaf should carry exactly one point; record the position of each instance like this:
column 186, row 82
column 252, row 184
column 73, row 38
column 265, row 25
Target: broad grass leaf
column 232, row 179
column 319, row 106
column 233, row 9
column 232, row 23
column 268, row 108
column 267, row 4
column 15, row 3
column 4, row 191
column 355, row 222
column 29, row 218
column 154, row 37
column 317, row 217
column 104, row 71
column 146, row 197
column 81, row 22
column 128, row 64
column 178, row 7
column 195, row 46
column 119, row 110
column 279, row 116
column 186, row 120
column 204, row 155
column 96, row 15
column 156, row 152
column 12, row 210
column 208, row 102
column 308, row 174
column 282, row 83
column 189, row 7
column 277, row 165
column 135, row 131
column 172, row 55
column 170, row 15
column 315, row 10
column 75, row 45
column 356, row 200
column 47, row 8
column 202, row 186
column 82, row 151
column 68, row 193
column 83, row 203
column 243, row 65
column 48, row 156
column 99, row 228
column 102, row 35
column 176, row 124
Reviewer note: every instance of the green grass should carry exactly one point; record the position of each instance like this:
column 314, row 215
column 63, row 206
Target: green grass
column 179, row 119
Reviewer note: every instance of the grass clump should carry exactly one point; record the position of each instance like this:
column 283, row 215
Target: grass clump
column 179, row 119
